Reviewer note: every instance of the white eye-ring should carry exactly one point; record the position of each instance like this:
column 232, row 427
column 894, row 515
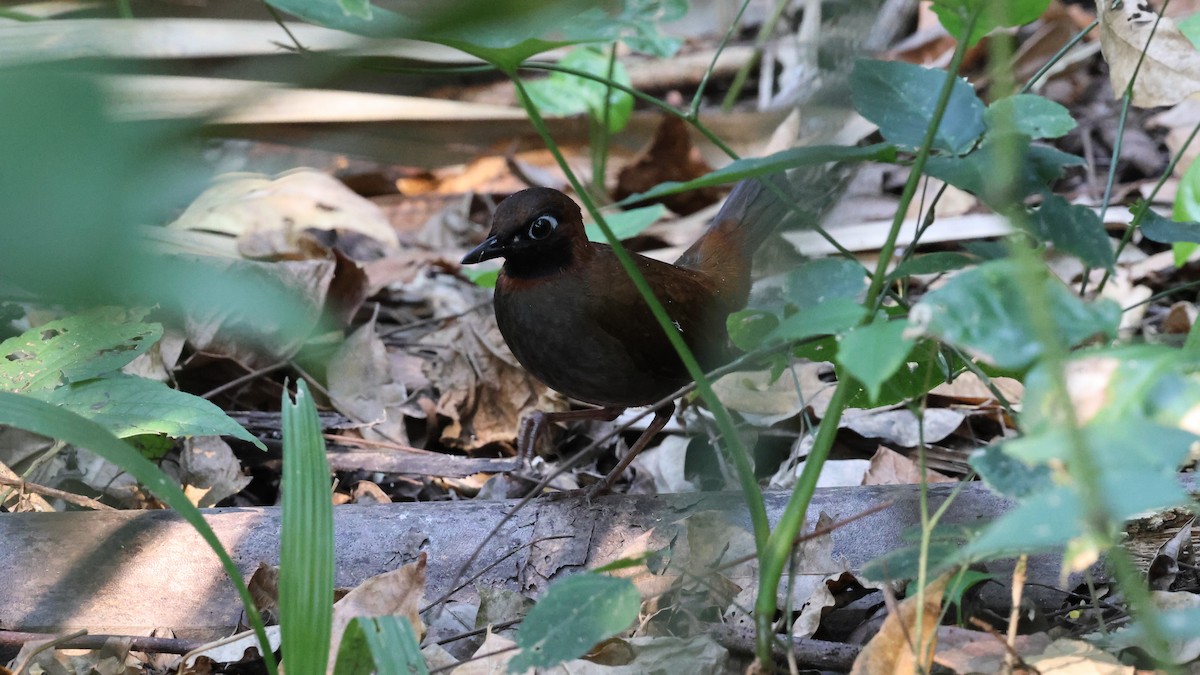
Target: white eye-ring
column 542, row 226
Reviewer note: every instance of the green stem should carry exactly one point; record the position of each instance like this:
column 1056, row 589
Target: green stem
column 736, row 450
column 694, row 111
column 760, row 42
column 918, row 165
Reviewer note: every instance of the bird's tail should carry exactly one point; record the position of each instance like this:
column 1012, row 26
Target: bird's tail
column 753, row 210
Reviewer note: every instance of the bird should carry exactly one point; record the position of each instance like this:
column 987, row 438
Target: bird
column 573, row 317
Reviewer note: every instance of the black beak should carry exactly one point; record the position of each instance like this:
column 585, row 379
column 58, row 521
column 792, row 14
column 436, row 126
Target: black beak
column 490, row 248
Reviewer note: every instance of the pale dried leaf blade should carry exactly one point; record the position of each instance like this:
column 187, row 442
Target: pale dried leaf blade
column 889, row 467
column 398, row 592
column 891, row 650
column 1171, row 70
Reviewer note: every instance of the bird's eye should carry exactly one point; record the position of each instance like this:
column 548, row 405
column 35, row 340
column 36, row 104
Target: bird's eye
column 542, row 226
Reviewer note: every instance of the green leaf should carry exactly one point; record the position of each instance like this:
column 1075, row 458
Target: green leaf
column 1038, row 166
column 306, row 540
column 574, row 615
column 992, row 15
column 626, row 224
column 564, row 94
column 384, row 645
column 1187, row 206
column 1190, row 27
column 930, row 263
column 484, row 277
column 984, row 311
column 749, row 328
column 832, row 317
column 24, row 412
column 645, row 18
column 74, row 348
column 360, row 9
column 1029, row 114
column 129, row 406
column 873, row 353
column 817, row 281
column 1166, row 231
column 1008, row 475
column 926, row 369
column 501, row 32
column 760, row 166
column 901, row 98
column 905, row 562
column 1073, row 229
column 1116, row 444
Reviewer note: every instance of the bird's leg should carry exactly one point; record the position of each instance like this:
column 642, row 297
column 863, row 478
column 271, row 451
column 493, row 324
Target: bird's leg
column 533, row 424
column 661, row 417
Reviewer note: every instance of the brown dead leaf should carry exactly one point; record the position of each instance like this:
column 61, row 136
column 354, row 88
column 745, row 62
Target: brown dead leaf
column 968, row 388
column 362, row 386
column 1067, row 657
column 1180, row 318
column 972, row 651
column 669, row 157
column 892, row 649
column 233, row 649
column 264, row 588
column 209, row 471
column 484, row 391
column 889, row 467
column 1171, row 70
column 113, row 658
column 275, row 218
column 366, row 492
column 754, row 393
column 901, row 427
column 397, row 592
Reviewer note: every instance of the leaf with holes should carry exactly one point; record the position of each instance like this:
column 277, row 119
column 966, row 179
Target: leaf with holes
column 74, row 349
column 131, row 406
column 575, row 614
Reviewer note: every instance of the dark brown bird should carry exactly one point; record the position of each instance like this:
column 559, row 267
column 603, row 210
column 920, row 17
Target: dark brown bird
column 573, row 317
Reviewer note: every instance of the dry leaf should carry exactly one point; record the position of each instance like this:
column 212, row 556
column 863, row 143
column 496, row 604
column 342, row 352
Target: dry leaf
column 1171, row 70
column 663, row 466
column 892, row 649
column 232, row 649
column 209, row 471
column 1180, row 318
column 274, row 218
column 902, row 427
column 366, row 492
column 766, row 401
column 362, row 386
column 669, row 157
column 397, row 592
column 889, row 467
column 484, row 391
column 968, row 388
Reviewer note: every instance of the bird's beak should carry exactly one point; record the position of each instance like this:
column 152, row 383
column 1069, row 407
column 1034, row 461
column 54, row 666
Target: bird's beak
column 490, row 248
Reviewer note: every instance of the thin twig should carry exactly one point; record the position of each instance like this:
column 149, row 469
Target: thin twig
column 69, row 497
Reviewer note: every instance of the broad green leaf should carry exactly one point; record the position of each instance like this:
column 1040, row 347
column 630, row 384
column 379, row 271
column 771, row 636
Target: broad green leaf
column 984, row 311
column 1153, row 382
column 1187, row 207
column 905, row 562
column 832, row 317
column 1037, row 167
column 501, row 32
column 1114, row 444
column 360, row 9
column 901, row 97
column 873, row 353
column 564, row 94
column 75, row 348
column 626, row 224
column 760, row 166
column 306, row 539
column 575, row 614
column 1073, row 229
column 645, row 18
column 1029, row 114
column 749, row 328
column 925, row 369
column 1008, row 475
column 384, row 645
column 930, row 263
column 484, row 277
column 1166, row 231
column 1052, row 518
column 24, row 412
column 817, row 281
column 992, row 15
column 129, row 406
